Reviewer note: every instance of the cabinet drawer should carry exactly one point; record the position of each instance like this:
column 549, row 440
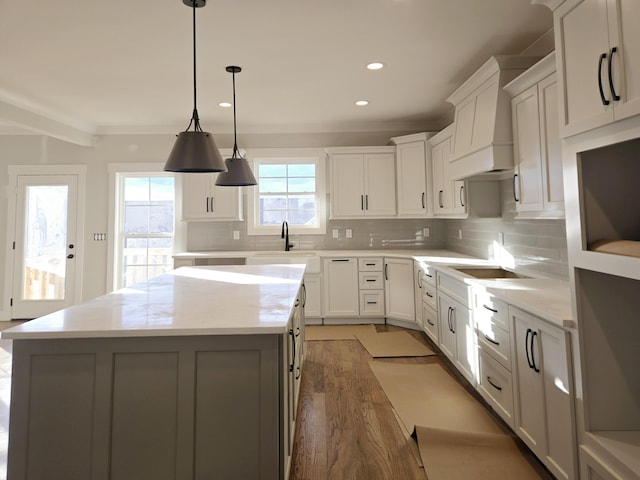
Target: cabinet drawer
column 488, row 308
column 430, row 322
column 496, row 342
column 370, row 264
column 428, row 274
column 429, row 295
column 371, row 281
column 496, row 387
column 372, row 303
column 456, row 289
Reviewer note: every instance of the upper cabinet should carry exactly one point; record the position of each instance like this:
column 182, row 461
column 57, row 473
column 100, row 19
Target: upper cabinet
column 412, row 178
column 537, row 178
column 598, row 59
column 203, row 200
column 363, row 182
column 482, row 140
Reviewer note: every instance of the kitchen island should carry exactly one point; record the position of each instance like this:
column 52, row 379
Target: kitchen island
column 191, row 375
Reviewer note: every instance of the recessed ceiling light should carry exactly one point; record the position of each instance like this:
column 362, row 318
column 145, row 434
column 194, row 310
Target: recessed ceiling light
column 224, row 104
column 375, row 66
column 362, row 103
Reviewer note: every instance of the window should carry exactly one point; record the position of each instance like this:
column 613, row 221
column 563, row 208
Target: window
column 144, row 226
column 290, row 188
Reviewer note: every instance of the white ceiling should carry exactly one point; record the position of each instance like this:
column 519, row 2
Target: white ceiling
column 119, row 66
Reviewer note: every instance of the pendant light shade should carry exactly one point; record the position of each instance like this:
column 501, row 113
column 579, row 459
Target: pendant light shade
column 195, row 151
column 238, row 172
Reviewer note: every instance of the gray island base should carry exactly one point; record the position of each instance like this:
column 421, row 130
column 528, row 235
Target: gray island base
column 156, row 402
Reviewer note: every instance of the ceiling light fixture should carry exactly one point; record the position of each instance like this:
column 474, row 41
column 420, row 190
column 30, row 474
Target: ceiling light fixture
column 194, row 151
column 362, row 103
column 238, row 172
column 375, row 66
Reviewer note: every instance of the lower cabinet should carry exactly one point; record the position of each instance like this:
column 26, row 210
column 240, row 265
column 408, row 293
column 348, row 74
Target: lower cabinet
column 399, row 296
column 340, row 287
column 430, row 323
column 544, row 392
column 371, row 287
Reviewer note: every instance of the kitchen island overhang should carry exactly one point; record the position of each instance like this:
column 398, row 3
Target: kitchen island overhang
column 194, row 374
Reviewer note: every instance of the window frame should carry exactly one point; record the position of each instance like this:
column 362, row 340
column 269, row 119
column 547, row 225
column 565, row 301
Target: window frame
column 289, row 156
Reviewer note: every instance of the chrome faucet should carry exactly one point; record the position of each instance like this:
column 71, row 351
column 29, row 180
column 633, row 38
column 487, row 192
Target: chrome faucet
column 285, row 234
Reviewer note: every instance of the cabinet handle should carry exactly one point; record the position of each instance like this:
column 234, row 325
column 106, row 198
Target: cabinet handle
column 526, row 347
column 386, row 271
column 420, row 279
column 366, row 202
column 423, row 193
column 449, row 318
column 428, row 275
column 297, row 334
column 462, row 196
column 372, row 303
column 362, row 202
column 616, row 97
column 491, row 339
column 431, row 323
column 339, row 259
column 298, row 372
column 207, row 203
column 370, row 280
column 370, row 264
column 515, row 176
column 293, row 342
column 493, row 384
column 297, row 302
column 453, row 312
column 304, row 295
column 533, row 359
column 429, row 295
column 440, row 192
column 490, row 309
column 602, row 97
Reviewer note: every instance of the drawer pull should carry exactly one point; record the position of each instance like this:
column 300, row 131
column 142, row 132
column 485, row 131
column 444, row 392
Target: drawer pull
column 429, row 295
column 371, row 280
column 491, row 339
column 340, row 260
column 370, row 264
column 428, row 275
column 490, row 309
column 372, row 303
column 493, row 384
column 431, row 323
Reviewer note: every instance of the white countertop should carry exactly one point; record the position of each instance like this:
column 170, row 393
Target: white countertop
column 225, row 300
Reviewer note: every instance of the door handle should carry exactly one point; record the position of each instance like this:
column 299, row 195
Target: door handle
column 602, row 97
column 616, row 97
column 515, row 197
column 423, row 194
column 526, row 347
column 70, row 256
column 71, row 245
column 533, row 359
column 462, row 196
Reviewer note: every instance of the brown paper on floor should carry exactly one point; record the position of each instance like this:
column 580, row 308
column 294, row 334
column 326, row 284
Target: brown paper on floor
column 393, row 344
column 459, row 455
column 410, row 437
column 336, row 332
column 427, row 395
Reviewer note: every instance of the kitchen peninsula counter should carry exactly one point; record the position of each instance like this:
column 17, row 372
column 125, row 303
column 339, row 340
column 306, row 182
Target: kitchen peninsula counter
column 193, row 374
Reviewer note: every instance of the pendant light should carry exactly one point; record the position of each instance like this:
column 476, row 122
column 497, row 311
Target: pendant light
column 238, row 172
column 194, row 151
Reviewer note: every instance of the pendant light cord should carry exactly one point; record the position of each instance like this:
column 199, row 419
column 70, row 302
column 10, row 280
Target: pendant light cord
column 195, row 121
column 235, row 137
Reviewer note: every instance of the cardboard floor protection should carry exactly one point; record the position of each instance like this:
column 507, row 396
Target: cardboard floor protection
column 393, row 344
column 427, row 395
column 456, row 455
column 336, row 332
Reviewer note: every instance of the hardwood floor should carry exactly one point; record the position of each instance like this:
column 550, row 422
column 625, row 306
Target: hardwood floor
column 346, row 428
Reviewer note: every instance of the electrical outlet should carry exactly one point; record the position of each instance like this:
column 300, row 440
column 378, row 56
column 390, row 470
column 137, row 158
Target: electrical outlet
column 335, row 233
column 236, row 235
column 460, row 233
column 348, row 233
column 425, row 232
column 501, row 238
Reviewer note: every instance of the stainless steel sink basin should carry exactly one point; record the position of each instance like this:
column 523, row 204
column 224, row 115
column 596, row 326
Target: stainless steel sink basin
column 488, row 273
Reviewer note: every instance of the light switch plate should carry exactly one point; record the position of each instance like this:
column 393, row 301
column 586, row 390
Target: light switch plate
column 501, row 238
column 348, row 233
column 236, row 234
column 335, row 233
column 460, row 233
column 425, row 232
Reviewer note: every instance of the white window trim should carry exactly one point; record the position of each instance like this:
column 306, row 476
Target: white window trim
column 315, row 155
column 115, row 247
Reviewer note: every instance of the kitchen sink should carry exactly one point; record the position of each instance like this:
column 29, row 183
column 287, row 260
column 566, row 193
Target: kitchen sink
column 489, row 273
column 307, row 257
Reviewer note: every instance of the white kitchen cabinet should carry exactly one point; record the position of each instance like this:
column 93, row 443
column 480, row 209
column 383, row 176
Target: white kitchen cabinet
column 371, row 285
column 482, row 139
column 398, row 289
column 544, row 385
column 418, row 277
column 448, row 194
column 430, row 323
column 412, row 176
column 203, row 200
column 340, row 287
column 537, row 181
column 363, row 182
column 598, row 49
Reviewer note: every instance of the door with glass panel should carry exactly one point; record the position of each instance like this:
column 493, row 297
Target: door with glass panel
column 45, row 245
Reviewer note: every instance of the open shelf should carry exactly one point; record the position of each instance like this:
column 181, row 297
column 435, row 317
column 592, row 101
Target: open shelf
column 610, row 195
column 608, row 307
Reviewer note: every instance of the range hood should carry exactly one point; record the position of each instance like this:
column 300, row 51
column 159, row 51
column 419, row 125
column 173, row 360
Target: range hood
column 482, row 138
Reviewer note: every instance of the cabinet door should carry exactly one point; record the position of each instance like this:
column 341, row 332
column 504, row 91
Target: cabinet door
column 430, row 323
column 399, row 301
column 347, row 186
column 624, row 34
column 440, row 203
column 418, row 275
column 380, row 184
column 412, row 179
column 464, row 123
column 446, row 305
column 466, row 343
column 581, row 41
column 340, row 282
column 459, row 196
column 551, row 149
column 202, row 200
column 312, row 296
column 526, row 140
column 530, row 419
